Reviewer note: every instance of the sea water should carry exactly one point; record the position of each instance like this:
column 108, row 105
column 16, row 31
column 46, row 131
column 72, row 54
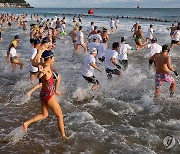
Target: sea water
column 121, row 117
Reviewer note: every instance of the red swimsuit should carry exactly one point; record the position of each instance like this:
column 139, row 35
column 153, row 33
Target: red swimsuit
column 45, row 95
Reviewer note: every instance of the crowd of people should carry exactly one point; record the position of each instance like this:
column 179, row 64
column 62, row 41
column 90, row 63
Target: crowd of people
column 43, row 35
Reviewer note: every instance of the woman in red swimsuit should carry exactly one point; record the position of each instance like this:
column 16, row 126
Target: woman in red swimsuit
column 47, row 94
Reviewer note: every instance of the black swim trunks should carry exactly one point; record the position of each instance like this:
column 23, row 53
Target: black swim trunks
column 174, row 42
column 110, row 72
column 91, row 79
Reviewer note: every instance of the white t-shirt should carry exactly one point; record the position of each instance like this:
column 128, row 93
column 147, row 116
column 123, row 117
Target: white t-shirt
column 154, row 48
column 13, row 52
column 123, row 51
column 92, row 45
column 89, row 29
column 150, row 33
column 101, row 50
column 62, row 28
column 176, row 35
column 112, row 23
column 80, row 40
column 117, row 22
column 32, row 56
column 88, row 70
column 110, row 54
column 95, row 35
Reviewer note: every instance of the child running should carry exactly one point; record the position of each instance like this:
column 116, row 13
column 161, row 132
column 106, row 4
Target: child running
column 47, row 94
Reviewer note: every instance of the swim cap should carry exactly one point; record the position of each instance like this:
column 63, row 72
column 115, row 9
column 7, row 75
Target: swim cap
column 165, row 47
column 37, row 41
column 15, row 43
column 95, row 37
column 16, row 37
column 93, row 50
column 47, row 54
column 137, row 22
column 45, row 40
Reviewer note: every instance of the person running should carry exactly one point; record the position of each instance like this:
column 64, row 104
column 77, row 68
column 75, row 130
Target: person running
column 150, row 33
column 117, row 22
column 102, row 50
column 111, row 65
column 80, row 41
column 90, row 28
column 47, row 95
column 175, row 38
column 73, row 35
column 13, row 56
column 88, row 69
column 135, row 28
column 112, row 25
column 34, row 70
column 172, row 29
column 163, row 66
column 138, row 38
column 123, row 49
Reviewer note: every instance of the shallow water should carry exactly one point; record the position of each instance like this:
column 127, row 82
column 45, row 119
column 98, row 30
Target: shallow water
column 121, row 117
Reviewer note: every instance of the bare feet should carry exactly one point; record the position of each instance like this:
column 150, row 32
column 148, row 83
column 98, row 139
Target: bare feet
column 25, row 127
column 28, row 94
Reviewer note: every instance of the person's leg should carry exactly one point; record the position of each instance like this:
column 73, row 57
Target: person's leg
column 18, row 62
column 84, row 46
column 37, row 117
column 13, row 67
column 37, row 86
column 157, row 93
column 54, row 105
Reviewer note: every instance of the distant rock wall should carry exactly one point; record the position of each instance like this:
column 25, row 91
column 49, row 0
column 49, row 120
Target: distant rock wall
column 15, row 5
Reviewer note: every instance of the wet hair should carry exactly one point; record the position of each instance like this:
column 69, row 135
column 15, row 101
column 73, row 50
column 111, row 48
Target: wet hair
column 95, row 27
column 80, row 27
column 165, row 48
column 92, row 23
column 115, row 45
column 99, row 31
column 178, row 27
column 139, row 27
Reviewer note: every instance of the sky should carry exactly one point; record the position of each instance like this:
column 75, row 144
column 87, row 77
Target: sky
column 104, row 3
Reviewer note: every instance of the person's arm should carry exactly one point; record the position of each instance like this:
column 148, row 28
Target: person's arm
column 151, row 60
column 169, row 65
column 113, row 60
column 95, row 66
column 41, row 71
column 8, row 57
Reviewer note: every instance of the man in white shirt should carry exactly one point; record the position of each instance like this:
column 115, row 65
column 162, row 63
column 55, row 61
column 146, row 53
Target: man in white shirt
column 102, row 50
column 111, row 57
column 154, row 47
column 93, row 44
column 90, row 28
column 123, row 49
column 112, row 24
column 175, row 38
column 80, row 41
column 88, row 69
column 34, row 70
column 150, row 33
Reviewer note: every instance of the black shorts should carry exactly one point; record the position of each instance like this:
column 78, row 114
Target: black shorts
column 124, row 63
column 101, row 59
column 174, row 42
column 110, row 72
column 91, row 79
